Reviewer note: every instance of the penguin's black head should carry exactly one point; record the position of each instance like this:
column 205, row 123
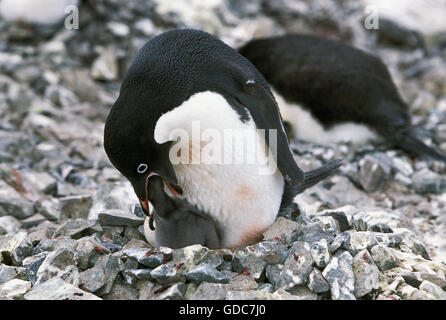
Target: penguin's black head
column 132, row 150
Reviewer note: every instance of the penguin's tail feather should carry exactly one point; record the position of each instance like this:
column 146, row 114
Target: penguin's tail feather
column 314, row 176
column 410, row 143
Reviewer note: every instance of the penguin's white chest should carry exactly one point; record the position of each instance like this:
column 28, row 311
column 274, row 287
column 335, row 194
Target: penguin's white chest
column 222, row 166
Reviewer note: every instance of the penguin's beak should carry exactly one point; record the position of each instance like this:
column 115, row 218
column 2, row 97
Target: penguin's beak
column 174, row 188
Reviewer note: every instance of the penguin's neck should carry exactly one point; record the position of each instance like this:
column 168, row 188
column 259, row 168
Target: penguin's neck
column 238, row 187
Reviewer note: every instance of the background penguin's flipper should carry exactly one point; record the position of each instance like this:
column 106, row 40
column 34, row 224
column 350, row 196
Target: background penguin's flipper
column 265, row 113
column 407, row 141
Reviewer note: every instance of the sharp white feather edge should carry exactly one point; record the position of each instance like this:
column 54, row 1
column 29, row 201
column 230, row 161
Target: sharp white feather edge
column 242, row 201
column 35, row 11
column 308, row 128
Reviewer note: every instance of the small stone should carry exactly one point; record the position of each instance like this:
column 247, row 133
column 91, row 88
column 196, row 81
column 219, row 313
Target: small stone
column 55, row 264
column 105, row 67
column 173, row 292
column 76, row 229
column 319, row 253
column 206, row 273
column 92, row 279
column 13, row 204
column 148, row 257
column 279, row 294
column 383, row 257
column 87, row 251
column 118, row 29
column 366, row 274
column 243, row 283
column 209, row 291
column 119, row 218
column 50, row 209
column 32, row 265
column 57, row 289
column 15, row 247
column 297, row 267
column 8, row 224
column 339, row 274
column 282, row 227
column 74, row 207
column 378, row 221
column 122, row 292
column 15, row 289
column 316, row 282
column 33, row 221
column 426, row 181
column 111, row 265
column 8, row 273
column 373, row 173
column 433, row 289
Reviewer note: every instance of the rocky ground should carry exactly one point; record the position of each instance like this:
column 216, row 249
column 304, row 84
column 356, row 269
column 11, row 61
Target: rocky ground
column 70, row 225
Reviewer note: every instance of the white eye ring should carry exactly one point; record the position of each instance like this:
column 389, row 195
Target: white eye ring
column 142, row 168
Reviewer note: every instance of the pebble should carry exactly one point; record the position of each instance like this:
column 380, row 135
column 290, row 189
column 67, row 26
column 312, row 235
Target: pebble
column 339, row 274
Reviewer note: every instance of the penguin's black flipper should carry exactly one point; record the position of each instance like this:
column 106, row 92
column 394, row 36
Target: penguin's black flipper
column 265, row 113
column 314, row 176
column 310, row 179
column 407, row 141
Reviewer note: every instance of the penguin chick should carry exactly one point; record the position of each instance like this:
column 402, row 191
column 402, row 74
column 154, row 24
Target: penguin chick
column 345, row 92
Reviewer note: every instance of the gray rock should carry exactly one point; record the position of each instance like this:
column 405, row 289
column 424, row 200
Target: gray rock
column 317, row 283
column 15, row 289
column 76, row 228
column 169, row 273
column 15, row 247
column 206, row 273
column 272, row 272
column 54, row 244
column 122, row 292
column 13, row 204
column 433, row 289
column 92, row 279
column 253, row 259
column 279, row 294
column 148, row 257
column 32, row 265
column 378, row 221
column 50, row 209
column 373, row 173
column 8, row 273
column 57, row 289
column 320, row 253
column 426, row 181
column 55, row 264
column 297, row 267
column 9, row 224
column 383, row 257
column 210, row 291
column 32, row 221
column 87, row 252
column 281, row 228
column 74, row 207
column 117, row 195
column 339, row 274
column 105, row 67
column 111, row 265
column 366, row 274
column 119, row 218
column 173, row 292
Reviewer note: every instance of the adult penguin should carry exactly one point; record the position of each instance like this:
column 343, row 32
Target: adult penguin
column 329, row 91
column 185, row 83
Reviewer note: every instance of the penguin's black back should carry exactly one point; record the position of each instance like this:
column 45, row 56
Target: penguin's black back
column 336, row 82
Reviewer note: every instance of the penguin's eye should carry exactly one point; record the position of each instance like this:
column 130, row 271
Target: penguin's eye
column 142, row 168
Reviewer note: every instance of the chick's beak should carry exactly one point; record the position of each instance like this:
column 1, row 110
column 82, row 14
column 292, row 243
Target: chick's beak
column 175, row 189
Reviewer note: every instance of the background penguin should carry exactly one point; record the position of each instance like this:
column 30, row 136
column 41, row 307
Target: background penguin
column 345, row 92
column 183, row 76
